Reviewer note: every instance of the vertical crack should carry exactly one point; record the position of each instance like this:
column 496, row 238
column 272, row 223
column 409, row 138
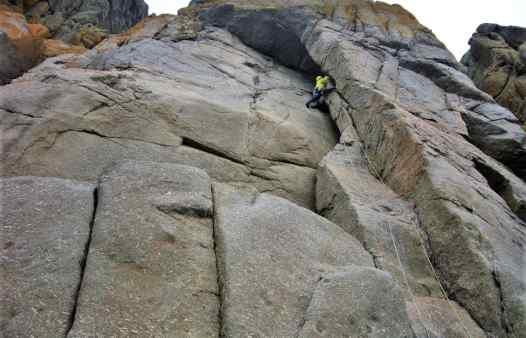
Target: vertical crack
column 218, row 266
column 503, row 318
column 303, row 320
column 83, row 263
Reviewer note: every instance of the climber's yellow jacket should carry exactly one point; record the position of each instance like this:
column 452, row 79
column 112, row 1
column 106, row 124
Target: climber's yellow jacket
column 321, row 82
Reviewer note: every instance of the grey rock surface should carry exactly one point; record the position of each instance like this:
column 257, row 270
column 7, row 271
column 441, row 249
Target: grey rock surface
column 421, row 149
column 350, row 196
column 151, row 268
column 271, row 256
column 359, row 302
column 473, row 230
column 421, row 75
column 434, row 318
column 45, row 228
column 188, row 93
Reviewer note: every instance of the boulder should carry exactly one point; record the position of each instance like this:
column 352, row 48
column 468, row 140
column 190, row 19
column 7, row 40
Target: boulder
column 496, row 62
column 21, row 44
column 45, row 228
column 151, row 268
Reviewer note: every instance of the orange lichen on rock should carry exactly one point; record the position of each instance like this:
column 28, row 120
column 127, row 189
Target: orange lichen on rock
column 389, row 18
column 146, row 28
column 27, row 38
column 39, row 31
column 14, row 25
column 54, row 47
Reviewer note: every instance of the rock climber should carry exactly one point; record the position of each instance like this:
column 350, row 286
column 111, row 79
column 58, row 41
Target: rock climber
column 320, row 89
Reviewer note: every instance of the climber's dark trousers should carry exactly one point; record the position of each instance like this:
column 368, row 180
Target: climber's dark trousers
column 316, row 96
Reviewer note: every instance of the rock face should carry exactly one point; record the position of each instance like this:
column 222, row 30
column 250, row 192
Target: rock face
column 227, row 208
column 45, row 231
column 184, row 116
column 151, row 268
column 411, row 67
column 277, row 259
column 497, row 64
column 361, row 302
column 113, row 16
column 349, row 195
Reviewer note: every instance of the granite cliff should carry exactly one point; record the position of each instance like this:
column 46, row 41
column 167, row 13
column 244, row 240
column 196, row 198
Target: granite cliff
column 170, row 182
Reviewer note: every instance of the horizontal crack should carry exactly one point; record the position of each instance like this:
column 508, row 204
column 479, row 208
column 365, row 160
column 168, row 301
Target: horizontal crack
column 199, row 146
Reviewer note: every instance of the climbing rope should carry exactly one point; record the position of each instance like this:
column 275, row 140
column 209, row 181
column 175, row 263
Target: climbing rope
column 443, row 291
column 390, row 230
column 421, row 240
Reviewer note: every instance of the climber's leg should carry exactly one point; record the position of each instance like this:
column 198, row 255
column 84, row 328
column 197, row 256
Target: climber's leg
column 316, row 96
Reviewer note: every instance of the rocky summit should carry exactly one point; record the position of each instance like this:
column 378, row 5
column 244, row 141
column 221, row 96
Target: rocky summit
column 169, row 181
column 497, row 64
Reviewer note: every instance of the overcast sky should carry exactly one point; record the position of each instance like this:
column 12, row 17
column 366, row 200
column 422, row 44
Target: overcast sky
column 453, row 21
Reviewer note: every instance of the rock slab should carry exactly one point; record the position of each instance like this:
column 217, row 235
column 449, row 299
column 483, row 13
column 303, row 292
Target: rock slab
column 151, row 268
column 273, row 257
column 45, row 227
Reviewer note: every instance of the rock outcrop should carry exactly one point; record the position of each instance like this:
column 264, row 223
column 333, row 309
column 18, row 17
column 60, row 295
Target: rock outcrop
column 74, row 25
column 81, row 16
column 227, row 208
column 497, row 64
column 20, row 44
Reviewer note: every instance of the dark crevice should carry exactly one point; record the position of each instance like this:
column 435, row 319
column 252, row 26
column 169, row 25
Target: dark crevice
column 261, row 176
column 10, row 111
column 219, row 270
column 111, row 138
column 496, row 181
column 303, row 320
column 275, row 33
column 282, row 161
column 506, row 84
column 199, row 146
column 504, row 321
column 83, row 263
column 111, row 15
column 502, row 186
column 192, row 211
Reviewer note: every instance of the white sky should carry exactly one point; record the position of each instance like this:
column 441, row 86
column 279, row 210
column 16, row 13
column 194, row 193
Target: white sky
column 453, row 21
